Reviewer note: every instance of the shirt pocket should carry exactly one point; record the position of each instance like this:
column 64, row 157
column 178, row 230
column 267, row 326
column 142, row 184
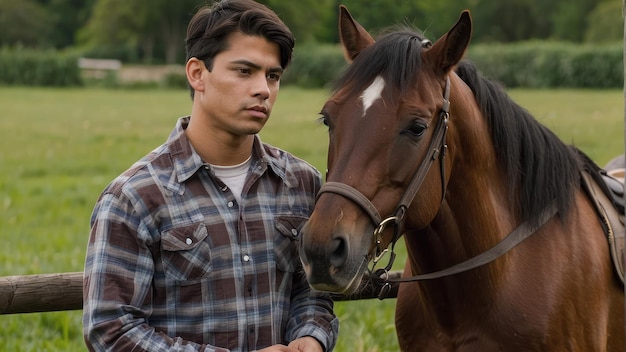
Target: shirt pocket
column 286, row 242
column 186, row 254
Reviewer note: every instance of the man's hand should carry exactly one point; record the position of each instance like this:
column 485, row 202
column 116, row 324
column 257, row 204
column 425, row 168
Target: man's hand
column 303, row 344
column 278, row 348
column 306, row 344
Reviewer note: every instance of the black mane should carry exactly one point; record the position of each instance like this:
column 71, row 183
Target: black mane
column 395, row 56
column 537, row 163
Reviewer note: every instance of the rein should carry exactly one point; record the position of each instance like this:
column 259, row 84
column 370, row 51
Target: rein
column 514, row 238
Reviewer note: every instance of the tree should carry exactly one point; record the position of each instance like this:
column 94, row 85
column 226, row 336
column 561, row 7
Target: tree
column 140, row 24
column 605, row 23
column 24, row 23
column 570, row 19
column 67, row 17
column 307, row 19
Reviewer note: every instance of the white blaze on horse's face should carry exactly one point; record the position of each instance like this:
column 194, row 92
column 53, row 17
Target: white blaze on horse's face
column 372, row 93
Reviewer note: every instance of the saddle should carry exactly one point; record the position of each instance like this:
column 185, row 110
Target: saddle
column 606, row 191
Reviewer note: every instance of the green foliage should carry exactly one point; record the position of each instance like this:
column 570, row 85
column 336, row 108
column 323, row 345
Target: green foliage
column 605, row 23
column 152, row 31
column 32, row 67
column 24, row 23
column 140, row 27
column 174, row 80
column 551, row 64
column 533, row 64
column 315, row 65
column 307, row 19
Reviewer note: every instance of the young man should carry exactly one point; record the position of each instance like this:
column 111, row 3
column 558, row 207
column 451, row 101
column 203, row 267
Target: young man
column 194, row 248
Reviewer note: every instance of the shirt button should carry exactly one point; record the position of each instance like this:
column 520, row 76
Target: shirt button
column 188, row 241
column 294, row 232
column 231, row 204
column 246, row 258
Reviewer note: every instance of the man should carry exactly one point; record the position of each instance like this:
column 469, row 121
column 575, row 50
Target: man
column 194, row 248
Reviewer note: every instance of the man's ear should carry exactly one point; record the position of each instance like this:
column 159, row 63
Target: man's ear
column 194, row 69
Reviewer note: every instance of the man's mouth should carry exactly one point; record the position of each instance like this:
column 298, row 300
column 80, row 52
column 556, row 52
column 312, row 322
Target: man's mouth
column 258, row 111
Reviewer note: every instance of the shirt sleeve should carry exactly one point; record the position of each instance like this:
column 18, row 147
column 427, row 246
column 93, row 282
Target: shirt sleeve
column 312, row 315
column 311, row 311
column 117, row 284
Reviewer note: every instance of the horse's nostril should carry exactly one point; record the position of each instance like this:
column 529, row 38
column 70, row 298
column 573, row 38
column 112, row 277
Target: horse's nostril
column 339, row 253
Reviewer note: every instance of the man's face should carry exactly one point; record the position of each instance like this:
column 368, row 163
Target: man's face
column 240, row 90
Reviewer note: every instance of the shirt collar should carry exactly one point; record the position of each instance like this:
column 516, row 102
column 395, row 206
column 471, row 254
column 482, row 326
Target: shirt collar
column 187, row 161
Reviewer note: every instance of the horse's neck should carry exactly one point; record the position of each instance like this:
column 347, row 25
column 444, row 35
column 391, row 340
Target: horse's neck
column 474, row 217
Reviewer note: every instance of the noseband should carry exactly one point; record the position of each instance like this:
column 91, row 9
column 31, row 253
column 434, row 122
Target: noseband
column 436, row 150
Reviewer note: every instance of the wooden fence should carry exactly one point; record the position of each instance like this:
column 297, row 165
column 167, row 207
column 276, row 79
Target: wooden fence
column 64, row 291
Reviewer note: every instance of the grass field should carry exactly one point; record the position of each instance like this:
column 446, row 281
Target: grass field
column 59, row 148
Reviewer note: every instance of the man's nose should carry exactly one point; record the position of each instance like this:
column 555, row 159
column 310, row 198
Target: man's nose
column 261, row 87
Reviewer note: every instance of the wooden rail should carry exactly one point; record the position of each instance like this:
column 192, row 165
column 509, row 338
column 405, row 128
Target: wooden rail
column 64, row 291
column 41, row 293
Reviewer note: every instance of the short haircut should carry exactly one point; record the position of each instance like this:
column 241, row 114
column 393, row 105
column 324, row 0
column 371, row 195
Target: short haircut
column 210, row 27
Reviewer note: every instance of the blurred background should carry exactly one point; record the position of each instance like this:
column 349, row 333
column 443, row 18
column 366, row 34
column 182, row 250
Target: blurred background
column 534, row 37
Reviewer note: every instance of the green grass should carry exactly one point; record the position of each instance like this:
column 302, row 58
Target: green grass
column 59, row 149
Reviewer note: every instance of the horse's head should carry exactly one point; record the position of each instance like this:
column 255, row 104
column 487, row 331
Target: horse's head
column 387, row 121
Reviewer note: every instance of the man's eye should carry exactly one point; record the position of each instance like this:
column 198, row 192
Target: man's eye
column 274, row 76
column 244, row 71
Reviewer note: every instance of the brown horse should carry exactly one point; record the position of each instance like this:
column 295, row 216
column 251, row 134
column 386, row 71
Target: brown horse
column 403, row 105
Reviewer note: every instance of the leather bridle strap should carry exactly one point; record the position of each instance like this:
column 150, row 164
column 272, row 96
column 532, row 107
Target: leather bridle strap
column 516, row 237
column 355, row 196
column 437, row 149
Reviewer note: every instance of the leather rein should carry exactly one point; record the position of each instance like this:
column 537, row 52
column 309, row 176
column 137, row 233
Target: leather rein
column 437, row 150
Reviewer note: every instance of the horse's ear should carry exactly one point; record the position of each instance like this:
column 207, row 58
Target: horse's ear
column 449, row 49
column 354, row 37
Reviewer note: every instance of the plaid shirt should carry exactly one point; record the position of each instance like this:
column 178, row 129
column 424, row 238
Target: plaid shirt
column 174, row 262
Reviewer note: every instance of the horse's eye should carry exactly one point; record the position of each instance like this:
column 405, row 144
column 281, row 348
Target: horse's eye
column 324, row 119
column 416, row 129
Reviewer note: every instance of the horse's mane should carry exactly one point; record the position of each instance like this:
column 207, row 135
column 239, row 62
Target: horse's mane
column 396, row 56
column 536, row 162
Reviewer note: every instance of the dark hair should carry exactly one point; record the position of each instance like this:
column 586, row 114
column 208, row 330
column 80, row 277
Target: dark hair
column 210, row 27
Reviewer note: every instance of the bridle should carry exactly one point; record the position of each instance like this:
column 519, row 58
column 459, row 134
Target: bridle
column 436, row 151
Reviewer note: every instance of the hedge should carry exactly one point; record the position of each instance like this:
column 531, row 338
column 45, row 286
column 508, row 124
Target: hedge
column 534, row 64
column 30, row 67
column 551, row 65
column 315, row 66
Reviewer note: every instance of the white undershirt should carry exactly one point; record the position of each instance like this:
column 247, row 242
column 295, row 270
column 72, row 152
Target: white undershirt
column 233, row 176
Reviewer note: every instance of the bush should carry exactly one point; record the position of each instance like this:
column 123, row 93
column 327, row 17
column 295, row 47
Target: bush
column 29, row 67
column 551, row 65
column 315, row 65
column 174, row 80
column 532, row 64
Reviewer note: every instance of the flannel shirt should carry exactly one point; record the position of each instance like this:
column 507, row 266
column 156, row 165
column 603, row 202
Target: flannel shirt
column 175, row 263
